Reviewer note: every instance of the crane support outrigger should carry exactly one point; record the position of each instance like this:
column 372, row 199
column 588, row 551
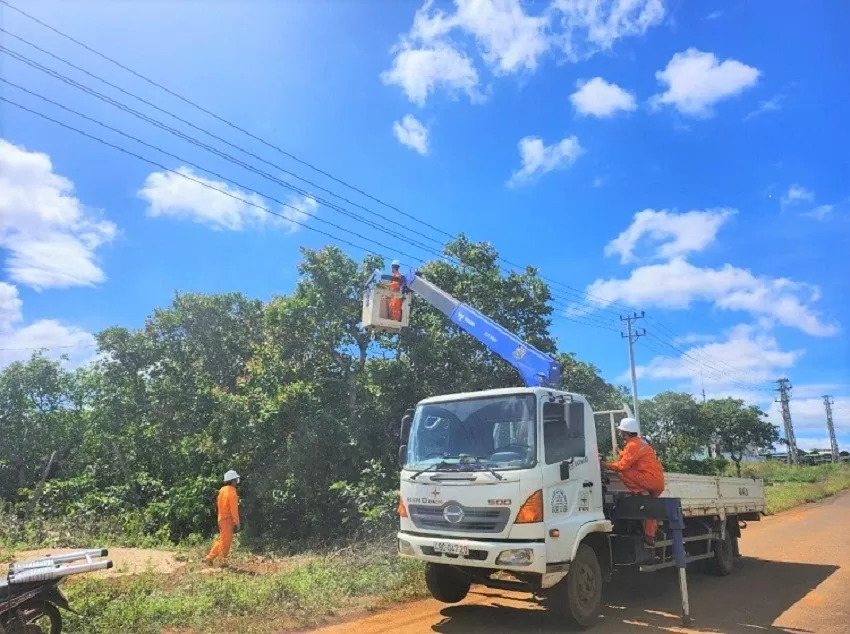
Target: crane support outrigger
column 507, row 481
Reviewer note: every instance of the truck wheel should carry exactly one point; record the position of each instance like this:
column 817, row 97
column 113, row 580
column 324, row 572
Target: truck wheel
column 584, row 589
column 724, row 557
column 446, row 583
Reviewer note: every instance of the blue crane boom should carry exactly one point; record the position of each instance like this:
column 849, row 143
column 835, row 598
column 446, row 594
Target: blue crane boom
column 536, row 368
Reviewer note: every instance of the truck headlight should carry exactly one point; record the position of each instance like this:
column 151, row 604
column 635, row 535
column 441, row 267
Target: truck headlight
column 404, row 548
column 517, row 557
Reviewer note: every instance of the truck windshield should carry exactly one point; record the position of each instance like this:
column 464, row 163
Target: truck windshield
column 499, row 431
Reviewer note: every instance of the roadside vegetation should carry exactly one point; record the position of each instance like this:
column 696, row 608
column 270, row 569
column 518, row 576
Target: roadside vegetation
column 789, row 486
column 129, row 449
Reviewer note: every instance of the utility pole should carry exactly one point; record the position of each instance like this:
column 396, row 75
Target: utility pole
column 833, row 443
column 784, row 397
column 632, row 336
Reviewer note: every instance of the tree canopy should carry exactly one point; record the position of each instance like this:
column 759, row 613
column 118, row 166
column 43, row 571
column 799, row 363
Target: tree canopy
column 292, row 393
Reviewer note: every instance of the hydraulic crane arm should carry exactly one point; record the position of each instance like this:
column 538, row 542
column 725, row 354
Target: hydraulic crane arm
column 536, row 368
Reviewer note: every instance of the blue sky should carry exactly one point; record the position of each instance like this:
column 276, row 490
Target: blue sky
column 686, row 160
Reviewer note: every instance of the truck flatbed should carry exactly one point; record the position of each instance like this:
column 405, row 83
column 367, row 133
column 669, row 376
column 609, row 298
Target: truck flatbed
column 707, row 495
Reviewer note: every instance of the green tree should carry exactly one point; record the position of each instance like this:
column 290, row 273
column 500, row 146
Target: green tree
column 739, row 428
column 672, row 422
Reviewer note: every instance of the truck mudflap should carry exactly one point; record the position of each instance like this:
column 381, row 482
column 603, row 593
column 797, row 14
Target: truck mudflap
column 502, row 555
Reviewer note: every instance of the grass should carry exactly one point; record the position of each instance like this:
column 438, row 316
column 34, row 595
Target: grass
column 270, row 595
column 789, row 486
column 238, row 600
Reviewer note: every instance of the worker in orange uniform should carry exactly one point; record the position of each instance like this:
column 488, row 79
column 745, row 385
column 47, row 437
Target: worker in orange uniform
column 395, row 286
column 639, row 469
column 228, row 517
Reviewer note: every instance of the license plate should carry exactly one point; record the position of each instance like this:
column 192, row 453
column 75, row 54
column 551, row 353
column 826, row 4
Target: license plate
column 451, row 548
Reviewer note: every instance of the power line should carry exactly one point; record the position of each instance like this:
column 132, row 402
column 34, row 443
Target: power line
column 193, row 140
column 221, row 119
column 599, row 304
column 714, row 370
column 693, row 369
column 222, row 191
column 62, row 347
column 202, row 183
column 589, row 321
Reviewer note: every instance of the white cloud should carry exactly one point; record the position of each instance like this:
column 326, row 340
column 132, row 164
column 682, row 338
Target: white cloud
column 420, row 71
column 217, row 204
column 538, row 158
column 598, row 181
column 821, row 212
column 18, row 343
column 52, row 238
column 427, row 59
column 590, row 26
column 410, row 132
column 696, row 81
column 599, row 98
column 679, row 233
column 677, row 284
column 714, row 15
column 796, row 194
column 770, row 105
column 508, row 40
column 747, row 356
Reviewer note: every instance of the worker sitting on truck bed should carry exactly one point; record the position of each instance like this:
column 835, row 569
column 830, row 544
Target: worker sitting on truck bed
column 639, row 469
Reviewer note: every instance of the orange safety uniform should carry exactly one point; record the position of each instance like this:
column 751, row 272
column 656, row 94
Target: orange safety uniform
column 395, row 302
column 228, row 518
column 641, row 472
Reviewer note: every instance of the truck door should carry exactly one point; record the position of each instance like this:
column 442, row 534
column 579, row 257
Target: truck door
column 571, row 482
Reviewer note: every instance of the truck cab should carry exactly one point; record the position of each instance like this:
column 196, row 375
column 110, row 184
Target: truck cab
column 502, row 479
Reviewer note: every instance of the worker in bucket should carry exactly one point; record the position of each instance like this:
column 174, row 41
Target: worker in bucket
column 639, row 469
column 227, row 503
column 395, row 286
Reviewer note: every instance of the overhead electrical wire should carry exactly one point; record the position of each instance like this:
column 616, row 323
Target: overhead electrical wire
column 578, row 298
column 598, row 303
column 585, row 319
column 710, row 366
column 696, row 370
column 221, row 191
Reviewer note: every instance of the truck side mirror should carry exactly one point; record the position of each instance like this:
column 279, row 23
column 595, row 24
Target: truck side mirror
column 406, row 421
column 402, row 454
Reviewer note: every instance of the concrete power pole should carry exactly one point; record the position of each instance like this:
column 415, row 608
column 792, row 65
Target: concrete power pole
column 833, row 443
column 784, row 397
column 632, row 336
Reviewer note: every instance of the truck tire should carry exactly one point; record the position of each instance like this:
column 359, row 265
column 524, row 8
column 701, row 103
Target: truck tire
column 446, row 584
column 723, row 561
column 583, row 587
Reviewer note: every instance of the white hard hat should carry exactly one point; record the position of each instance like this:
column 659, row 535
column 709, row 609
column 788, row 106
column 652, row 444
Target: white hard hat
column 230, row 476
column 396, row 263
column 629, row 425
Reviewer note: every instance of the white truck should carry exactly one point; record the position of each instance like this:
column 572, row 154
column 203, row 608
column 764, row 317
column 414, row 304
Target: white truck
column 504, row 487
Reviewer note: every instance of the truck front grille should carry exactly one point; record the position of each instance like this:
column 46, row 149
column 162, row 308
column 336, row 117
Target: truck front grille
column 473, row 520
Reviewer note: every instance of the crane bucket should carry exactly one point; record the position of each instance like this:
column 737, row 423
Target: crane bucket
column 378, row 311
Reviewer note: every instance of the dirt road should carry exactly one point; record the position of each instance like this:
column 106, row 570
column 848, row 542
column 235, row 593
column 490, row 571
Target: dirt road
column 795, row 577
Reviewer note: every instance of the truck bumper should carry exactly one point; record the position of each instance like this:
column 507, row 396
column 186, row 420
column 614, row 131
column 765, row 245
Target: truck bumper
column 493, row 555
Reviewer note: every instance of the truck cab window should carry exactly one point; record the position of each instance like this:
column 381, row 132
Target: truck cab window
column 563, row 435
